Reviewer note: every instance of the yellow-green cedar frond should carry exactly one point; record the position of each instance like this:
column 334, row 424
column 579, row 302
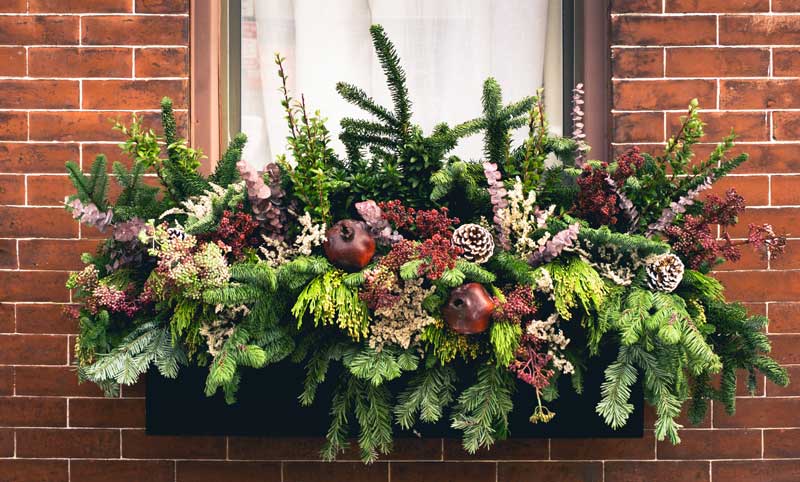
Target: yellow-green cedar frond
column 330, row 302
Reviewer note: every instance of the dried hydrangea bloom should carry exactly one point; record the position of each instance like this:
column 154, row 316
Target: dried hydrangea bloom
column 400, row 323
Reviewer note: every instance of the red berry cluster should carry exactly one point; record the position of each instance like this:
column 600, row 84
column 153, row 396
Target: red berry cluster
column 423, row 223
column 439, row 255
column 696, row 242
column 236, row 231
column 597, row 201
column 531, row 362
column 518, row 304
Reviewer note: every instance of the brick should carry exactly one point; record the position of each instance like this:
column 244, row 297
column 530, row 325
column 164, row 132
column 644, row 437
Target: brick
column 37, row 222
column 786, row 62
column 38, row 30
column 713, row 444
column 162, row 62
column 76, row 126
column 782, row 443
column 657, row 471
column 662, row 94
column 106, row 412
column 30, row 158
column 8, row 254
column 760, row 413
column 45, row 318
column 790, row 259
column 13, row 126
column 748, row 126
column 761, row 285
column 192, row 471
column 609, row 448
column 716, row 6
column 750, row 259
column 79, row 6
column 440, row 471
column 638, row 127
column 349, row 471
column 717, row 62
column 785, row 190
column 12, row 470
column 561, row 471
column 784, row 318
column 49, row 191
column 12, row 189
column 12, row 61
column 135, row 30
column 80, row 62
column 137, row 445
column 782, row 219
column 785, row 5
column 759, row 29
column 654, row 30
column 38, row 94
column 785, row 126
column 49, row 286
column 6, row 443
column 6, row 381
column 133, row 94
column 756, row 470
column 784, row 348
column 511, row 449
column 138, row 389
column 762, row 158
column 635, row 6
column 791, row 390
column 33, row 412
column 48, row 254
column 78, row 443
column 33, row 349
column 7, row 318
column 123, row 470
column 631, row 63
column 52, row 382
column 162, row 6
column 759, row 94
column 14, row 6
column 754, row 189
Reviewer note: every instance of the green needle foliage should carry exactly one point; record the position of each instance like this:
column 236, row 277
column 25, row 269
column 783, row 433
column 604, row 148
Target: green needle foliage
column 482, row 409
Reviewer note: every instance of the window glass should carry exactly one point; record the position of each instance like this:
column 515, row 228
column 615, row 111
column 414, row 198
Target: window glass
column 448, row 48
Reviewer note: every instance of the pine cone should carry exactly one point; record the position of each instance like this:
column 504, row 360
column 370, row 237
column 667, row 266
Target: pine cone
column 664, row 272
column 476, row 241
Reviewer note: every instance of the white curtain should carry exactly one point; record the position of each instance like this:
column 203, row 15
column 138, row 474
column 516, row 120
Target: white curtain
column 448, row 48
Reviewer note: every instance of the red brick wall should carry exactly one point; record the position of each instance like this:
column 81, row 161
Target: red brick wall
column 66, row 66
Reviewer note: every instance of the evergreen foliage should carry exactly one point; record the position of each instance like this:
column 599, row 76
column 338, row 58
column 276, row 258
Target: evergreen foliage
column 232, row 273
column 94, row 187
column 482, row 409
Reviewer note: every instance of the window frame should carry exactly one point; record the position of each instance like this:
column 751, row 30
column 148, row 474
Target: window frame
column 216, row 77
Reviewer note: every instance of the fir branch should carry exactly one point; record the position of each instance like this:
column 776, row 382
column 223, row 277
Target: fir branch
column 483, row 408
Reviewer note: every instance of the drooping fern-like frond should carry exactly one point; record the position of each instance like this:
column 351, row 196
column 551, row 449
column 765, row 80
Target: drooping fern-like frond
column 236, row 352
column 427, row 394
column 482, row 409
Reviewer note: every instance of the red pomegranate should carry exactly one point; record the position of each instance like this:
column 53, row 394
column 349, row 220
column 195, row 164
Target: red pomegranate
column 468, row 309
column 349, row 245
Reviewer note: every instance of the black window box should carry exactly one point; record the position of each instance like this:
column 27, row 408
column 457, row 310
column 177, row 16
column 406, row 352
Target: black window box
column 267, row 406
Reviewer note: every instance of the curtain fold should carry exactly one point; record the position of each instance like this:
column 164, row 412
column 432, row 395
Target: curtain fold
column 448, row 48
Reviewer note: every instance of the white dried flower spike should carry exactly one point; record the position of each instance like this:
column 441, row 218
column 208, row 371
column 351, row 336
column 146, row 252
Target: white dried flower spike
column 664, row 272
column 476, row 241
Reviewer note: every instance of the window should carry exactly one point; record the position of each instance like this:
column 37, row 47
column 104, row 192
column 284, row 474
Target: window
column 448, row 48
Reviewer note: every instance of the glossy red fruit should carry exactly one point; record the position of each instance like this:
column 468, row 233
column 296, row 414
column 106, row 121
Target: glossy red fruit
column 468, row 309
column 349, row 245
